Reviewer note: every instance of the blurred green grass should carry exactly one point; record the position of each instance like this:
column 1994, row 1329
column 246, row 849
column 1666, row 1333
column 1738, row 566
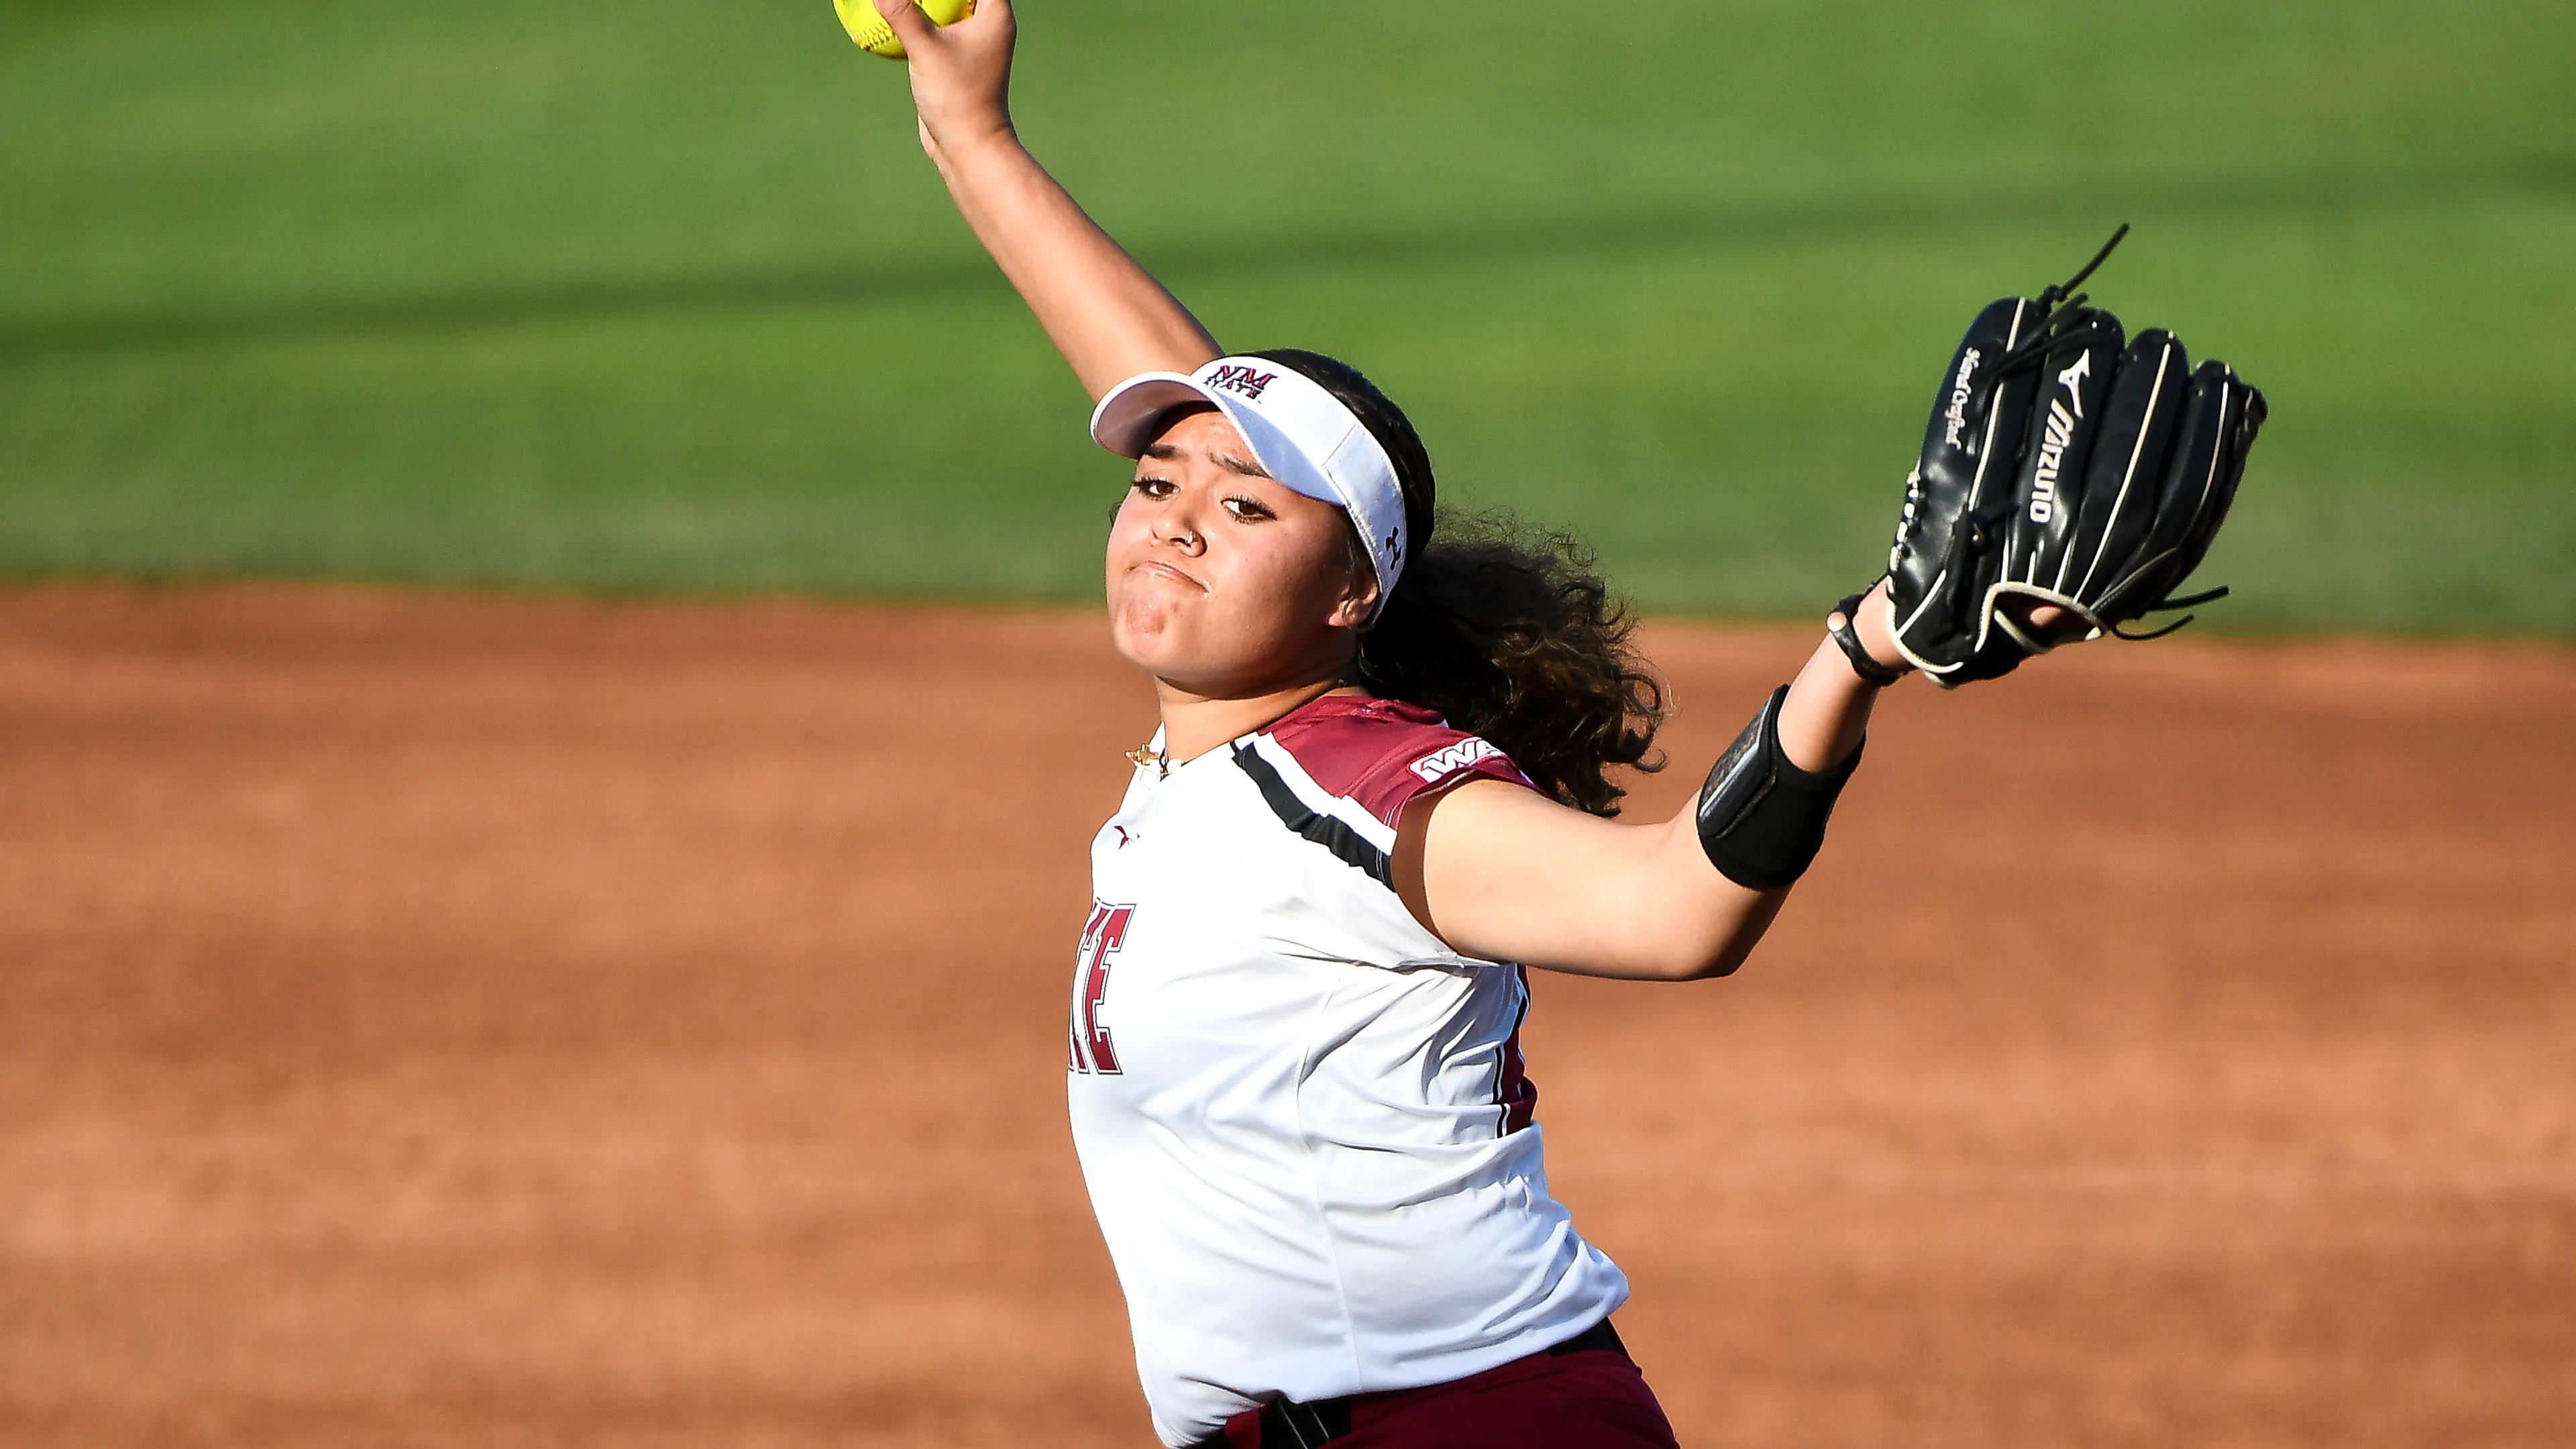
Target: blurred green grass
column 664, row 297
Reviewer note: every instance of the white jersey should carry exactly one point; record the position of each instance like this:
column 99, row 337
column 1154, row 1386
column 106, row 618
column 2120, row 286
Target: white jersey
column 1303, row 1119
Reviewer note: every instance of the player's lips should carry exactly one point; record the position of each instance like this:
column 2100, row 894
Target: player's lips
column 1158, row 568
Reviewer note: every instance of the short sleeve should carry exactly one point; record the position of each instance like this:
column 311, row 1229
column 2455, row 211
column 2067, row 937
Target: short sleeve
column 1382, row 755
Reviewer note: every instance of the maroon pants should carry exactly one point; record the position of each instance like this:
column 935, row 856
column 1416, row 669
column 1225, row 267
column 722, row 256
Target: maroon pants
column 1590, row 1400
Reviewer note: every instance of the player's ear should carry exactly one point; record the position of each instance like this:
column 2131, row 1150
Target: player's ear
column 1358, row 601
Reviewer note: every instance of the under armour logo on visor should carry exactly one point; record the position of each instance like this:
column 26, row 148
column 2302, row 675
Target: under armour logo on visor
column 1244, row 380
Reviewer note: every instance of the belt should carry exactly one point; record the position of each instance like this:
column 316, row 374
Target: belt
column 1288, row 1424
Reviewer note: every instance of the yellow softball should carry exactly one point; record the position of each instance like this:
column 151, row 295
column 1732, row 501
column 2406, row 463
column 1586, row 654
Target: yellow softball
column 869, row 29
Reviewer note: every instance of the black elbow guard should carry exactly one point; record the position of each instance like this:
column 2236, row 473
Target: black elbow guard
column 1761, row 818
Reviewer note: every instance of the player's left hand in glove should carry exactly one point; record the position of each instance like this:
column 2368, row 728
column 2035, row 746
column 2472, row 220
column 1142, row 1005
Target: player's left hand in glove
column 2065, row 466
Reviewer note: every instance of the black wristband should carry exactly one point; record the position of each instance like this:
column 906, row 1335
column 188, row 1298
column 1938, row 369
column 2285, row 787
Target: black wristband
column 1761, row 818
column 1848, row 636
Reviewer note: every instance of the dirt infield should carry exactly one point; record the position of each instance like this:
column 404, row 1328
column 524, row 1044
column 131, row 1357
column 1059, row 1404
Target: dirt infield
column 433, row 1021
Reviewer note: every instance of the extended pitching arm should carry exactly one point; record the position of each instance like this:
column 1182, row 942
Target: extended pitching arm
column 1503, row 873
column 1106, row 314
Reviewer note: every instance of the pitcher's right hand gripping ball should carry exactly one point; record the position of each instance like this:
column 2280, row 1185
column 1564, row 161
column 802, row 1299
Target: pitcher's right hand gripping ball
column 870, row 32
column 2064, row 468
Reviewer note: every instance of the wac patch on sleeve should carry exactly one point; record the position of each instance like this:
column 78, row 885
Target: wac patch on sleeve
column 1441, row 764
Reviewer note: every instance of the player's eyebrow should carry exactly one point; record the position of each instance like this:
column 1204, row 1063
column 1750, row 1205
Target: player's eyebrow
column 1165, row 452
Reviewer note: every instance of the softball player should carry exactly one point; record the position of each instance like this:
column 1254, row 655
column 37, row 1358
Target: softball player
column 1295, row 1073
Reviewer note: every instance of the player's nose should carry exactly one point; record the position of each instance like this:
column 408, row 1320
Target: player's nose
column 1177, row 524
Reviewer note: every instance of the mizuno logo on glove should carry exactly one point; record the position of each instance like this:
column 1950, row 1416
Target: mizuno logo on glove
column 2092, row 487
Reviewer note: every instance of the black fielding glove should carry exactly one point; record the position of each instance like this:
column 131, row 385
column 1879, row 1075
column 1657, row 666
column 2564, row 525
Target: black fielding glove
column 2063, row 467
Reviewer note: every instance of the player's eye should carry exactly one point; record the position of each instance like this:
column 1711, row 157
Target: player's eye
column 1156, row 488
column 1248, row 508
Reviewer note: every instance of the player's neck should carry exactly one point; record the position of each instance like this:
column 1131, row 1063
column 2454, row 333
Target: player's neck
column 1194, row 724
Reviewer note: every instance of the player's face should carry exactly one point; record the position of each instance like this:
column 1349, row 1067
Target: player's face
column 1224, row 582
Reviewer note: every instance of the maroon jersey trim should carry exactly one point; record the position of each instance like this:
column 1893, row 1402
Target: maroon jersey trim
column 1383, row 754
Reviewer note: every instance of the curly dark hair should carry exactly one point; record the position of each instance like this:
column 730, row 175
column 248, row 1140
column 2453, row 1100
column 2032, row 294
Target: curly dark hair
column 1508, row 634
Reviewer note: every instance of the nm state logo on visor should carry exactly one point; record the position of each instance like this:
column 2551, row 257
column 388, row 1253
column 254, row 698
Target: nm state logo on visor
column 1245, row 380
column 1441, row 764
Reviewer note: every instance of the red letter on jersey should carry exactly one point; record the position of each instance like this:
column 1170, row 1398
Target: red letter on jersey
column 1090, row 1048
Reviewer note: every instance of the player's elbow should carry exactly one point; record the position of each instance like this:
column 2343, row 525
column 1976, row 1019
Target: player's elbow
column 1716, row 947
column 1689, row 958
column 1724, row 962
column 1708, row 965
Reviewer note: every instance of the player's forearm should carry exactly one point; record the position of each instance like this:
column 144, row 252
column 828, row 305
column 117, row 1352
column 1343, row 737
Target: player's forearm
column 1756, row 825
column 1105, row 313
column 1507, row 874
column 1827, row 711
column 1828, row 708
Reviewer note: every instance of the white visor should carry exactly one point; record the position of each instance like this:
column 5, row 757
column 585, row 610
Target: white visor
column 1299, row 433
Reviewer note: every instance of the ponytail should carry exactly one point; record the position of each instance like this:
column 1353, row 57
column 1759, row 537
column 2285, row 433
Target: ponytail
column 1510, row 636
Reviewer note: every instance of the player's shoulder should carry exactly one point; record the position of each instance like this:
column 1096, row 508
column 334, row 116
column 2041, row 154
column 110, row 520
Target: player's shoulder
column 1382, row 754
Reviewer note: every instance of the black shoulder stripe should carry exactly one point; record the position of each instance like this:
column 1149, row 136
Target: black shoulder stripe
column 1324, row 830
